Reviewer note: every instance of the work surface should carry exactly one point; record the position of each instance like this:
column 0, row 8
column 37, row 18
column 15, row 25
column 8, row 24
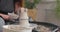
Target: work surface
column 18, row 28
column 43, row 25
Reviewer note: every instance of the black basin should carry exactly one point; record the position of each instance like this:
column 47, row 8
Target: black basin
column 49, row 25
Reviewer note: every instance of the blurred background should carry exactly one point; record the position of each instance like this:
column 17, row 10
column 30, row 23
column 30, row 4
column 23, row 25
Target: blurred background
column 39, row 10
column 47, row 11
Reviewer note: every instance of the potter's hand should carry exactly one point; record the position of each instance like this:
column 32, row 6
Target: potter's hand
column 13, row 16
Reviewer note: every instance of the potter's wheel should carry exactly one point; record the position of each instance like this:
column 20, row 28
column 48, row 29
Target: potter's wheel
column 18, row 28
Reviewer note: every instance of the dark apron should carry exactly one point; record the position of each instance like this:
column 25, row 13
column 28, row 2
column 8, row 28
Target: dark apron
column 6, row 6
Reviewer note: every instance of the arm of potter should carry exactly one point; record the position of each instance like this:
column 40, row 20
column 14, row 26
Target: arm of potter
column 5, row 17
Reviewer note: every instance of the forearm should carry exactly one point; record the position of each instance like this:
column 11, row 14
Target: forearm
column 6, row 17
column 11, row 17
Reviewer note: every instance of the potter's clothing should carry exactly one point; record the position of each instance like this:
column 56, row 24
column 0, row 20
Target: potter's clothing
column 6, row 6
column 1, row 24
column 3, row 12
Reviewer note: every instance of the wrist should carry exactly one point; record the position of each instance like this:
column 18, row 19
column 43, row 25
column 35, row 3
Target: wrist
column 1, row 14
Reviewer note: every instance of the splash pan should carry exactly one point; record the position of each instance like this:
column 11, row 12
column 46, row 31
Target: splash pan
column 17, row 28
